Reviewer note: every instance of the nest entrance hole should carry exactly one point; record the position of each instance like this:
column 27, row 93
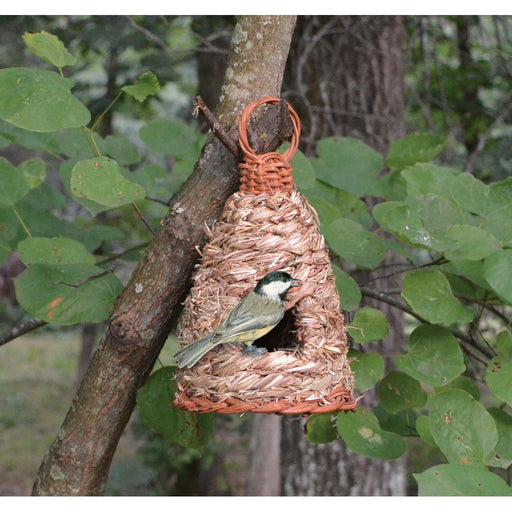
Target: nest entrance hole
column 281, row 337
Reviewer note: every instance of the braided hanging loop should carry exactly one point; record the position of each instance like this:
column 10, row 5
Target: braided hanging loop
column 257, row 233
column 271, row 172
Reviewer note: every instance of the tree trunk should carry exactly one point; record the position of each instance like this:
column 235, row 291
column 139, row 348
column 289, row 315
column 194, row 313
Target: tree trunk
column 263, row 472
column 345, row 78
column 78, row 461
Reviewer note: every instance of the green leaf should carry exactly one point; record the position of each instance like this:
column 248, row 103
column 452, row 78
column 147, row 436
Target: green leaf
column 498, row 273
column 49, row 48
column 348, row 289
column 461, row 382
column 401, row 423
column 350, row 165
column 73, row 143
column 369, row 325
column 25, row 138
column 332, row 203
column 362, row 434
column 34, row 170
column 354, row 243
column 504, row 344
column 303, row 172
column 9, row 225
column 434, row 356
column 423, row 179
column 417, row 147
column 469, row 272
column 421, row 220
column 470, row 193
column 154, row 401
column 66, row 171
column 321, row 428
column 455, row 480
column 56, row 251
column 428, row 293
column 499, row 378
column 464, row 431
column 398, row 391
column 423, row 429
column 471, row 243
column 502, row 458
column 40, row 101
column 368, row 369
column 146, row 85
column 67, row 294
column 172, row 138
column 13, row 184
column 498, row 211
column 100, row 180
column 121, row 150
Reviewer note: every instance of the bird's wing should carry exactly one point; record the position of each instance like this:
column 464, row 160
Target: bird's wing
column 240, row 320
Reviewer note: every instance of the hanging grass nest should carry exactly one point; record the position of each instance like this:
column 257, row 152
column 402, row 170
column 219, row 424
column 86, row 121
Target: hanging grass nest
column 268, row 225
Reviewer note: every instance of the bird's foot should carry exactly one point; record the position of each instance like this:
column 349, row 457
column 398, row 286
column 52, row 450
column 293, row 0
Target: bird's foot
column 254, row 351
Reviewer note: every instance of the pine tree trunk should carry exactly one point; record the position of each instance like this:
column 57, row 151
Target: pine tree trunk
column 345, row 78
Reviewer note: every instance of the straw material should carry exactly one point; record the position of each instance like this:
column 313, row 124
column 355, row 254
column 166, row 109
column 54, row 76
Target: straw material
column 268, row 225
column 257, row 234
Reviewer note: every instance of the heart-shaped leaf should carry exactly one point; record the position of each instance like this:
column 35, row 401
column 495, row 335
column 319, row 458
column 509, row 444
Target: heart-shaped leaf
column 457, row 480
column 434, row 356
column 67, row 294
column 362, row 434
column 185, row 428
column 100, row 180
column 464, row 431
column 40, row 101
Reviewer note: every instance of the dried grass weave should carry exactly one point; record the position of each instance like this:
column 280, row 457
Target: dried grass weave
column 255, row 235
column 259, row 232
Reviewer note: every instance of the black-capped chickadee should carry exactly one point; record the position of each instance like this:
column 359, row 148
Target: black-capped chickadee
column 255, row 315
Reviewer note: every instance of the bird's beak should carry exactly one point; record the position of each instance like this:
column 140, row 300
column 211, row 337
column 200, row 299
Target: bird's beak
column 296, row 282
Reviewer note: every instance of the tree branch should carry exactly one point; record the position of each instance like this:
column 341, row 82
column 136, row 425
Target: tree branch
column 215, row 127
column 78, row 461
column 20, row 330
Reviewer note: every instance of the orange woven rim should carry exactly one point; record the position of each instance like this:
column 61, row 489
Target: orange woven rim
column 270, row 172
column 338, row 400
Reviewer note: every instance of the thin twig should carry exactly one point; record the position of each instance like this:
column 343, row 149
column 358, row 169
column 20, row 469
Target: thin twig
column 142, row 218
column 20, row 330
column 109, row 270
column 215, row 127
column 114, row 257
column 504, row 110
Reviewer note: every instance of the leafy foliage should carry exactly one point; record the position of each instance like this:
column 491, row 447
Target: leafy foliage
column 451, row 229
column 178, row 427
column 65, row 281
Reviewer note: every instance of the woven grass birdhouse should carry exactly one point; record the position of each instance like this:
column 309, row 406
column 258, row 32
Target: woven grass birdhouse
column 267, row 225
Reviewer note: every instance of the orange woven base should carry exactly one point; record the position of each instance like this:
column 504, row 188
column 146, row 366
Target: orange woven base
column 339, row 400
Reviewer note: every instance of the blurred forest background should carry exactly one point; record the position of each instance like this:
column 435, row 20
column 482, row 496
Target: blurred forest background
column 457, row 83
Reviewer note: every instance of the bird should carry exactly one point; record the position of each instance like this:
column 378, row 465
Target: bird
column 253, row 317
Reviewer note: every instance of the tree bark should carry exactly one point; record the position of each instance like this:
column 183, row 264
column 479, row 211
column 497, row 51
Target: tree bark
column 263, row 473
column 78, row 461
column 345, row 78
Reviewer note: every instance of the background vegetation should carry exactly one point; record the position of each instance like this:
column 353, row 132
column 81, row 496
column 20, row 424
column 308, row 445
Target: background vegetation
column 89, row 165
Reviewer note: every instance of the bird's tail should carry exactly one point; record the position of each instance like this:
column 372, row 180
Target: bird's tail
column 189, row 355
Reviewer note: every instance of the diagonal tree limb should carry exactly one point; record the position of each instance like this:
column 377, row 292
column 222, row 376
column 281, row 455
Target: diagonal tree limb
column 78, row 461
